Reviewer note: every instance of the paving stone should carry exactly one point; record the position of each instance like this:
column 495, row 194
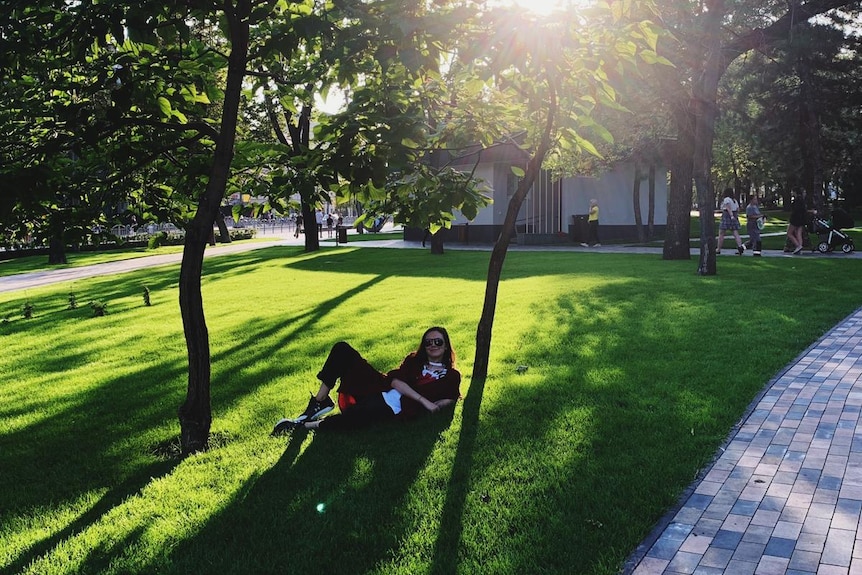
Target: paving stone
column 716, row 557
column 726, row 539
column 684, row 562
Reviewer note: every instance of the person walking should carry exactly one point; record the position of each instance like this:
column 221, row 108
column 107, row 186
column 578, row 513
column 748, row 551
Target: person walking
column 426, row 381
column 729, row 221
column 593, row 225
column 753, row 224
column 798, row 215
column 318, row 216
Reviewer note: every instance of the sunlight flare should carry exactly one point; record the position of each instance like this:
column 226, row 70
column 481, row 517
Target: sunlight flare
column 545, row 7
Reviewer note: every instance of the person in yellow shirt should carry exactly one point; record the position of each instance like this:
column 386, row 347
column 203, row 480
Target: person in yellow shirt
column 593, row 222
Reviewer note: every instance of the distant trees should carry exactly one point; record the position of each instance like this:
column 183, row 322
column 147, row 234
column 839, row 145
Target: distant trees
column 709, row 36
column 791, row 117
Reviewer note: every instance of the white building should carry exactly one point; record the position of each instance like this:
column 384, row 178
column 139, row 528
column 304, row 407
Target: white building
column 548, row 212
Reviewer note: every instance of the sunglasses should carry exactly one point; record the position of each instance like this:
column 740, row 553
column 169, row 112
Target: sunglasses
column 437, row 341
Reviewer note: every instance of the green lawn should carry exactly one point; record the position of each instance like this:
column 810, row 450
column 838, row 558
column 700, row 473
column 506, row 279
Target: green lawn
column 637, row 370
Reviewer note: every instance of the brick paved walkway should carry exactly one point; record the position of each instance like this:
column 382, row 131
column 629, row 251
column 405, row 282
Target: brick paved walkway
column 785, row 494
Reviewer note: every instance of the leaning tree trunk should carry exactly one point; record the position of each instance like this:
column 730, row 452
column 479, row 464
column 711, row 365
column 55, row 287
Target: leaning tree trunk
column 224, row 234
column 498, row 254
column 195, row 414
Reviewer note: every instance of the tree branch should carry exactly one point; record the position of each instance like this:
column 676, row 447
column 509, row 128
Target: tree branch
column 780, row 29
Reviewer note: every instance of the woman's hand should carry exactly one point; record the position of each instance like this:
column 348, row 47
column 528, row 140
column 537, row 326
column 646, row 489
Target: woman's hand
column 431, row 406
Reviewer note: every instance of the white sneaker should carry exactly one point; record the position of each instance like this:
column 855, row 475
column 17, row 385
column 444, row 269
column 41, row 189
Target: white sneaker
column 797, row 250
column 597, row 245
column 583, row 245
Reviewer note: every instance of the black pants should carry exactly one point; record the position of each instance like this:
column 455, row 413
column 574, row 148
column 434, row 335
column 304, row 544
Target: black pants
column 359, row 380
column 593, row 232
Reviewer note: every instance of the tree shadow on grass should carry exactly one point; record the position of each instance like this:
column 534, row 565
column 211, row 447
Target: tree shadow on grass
column 86, row 432
column 334, row 508
column 568, row 472
column 112, row 498
column 44, row 463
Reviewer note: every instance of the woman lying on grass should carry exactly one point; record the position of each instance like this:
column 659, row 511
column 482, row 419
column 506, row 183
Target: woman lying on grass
column 426, row 381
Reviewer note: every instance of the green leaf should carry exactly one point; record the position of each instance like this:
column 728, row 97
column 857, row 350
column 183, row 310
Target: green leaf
column 164, row 106
column 650, row 34
column 518, row 171
column 181, row 118
column 587, row 146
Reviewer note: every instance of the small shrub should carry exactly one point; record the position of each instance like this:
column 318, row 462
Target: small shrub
column 241, row 233
column 147, row 296
column 27, row 310
column 157, row 240
column 100, row 308
column 73, row 301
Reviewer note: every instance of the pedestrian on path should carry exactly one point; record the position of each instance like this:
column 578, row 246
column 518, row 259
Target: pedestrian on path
column 754, row 223
column 798, row 215
column 318, row 216
column 729, row 221
column 593, row 225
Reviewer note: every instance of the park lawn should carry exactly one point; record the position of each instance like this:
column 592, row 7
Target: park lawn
column 637, row 369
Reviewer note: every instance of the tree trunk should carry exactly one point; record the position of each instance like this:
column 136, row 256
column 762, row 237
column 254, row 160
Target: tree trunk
column 224, row 234
column 57, row 239
column 651, row 209
column 677, row 245
column 706, row 110
column 57, row 249
column 309, row 223
column 498, row 253
column 437, row 243
column 809, row 130
column 636, row 200
column 195, row 414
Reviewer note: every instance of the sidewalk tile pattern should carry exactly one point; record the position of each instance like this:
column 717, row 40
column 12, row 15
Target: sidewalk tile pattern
column 785, row 494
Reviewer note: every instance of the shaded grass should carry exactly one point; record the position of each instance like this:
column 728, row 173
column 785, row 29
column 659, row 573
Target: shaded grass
column 561, row 469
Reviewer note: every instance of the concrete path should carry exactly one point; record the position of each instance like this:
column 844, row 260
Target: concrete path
column 52, row 276
column 783, row 496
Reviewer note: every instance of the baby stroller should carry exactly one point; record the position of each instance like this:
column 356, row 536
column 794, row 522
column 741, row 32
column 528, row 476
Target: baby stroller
column 830, row 233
